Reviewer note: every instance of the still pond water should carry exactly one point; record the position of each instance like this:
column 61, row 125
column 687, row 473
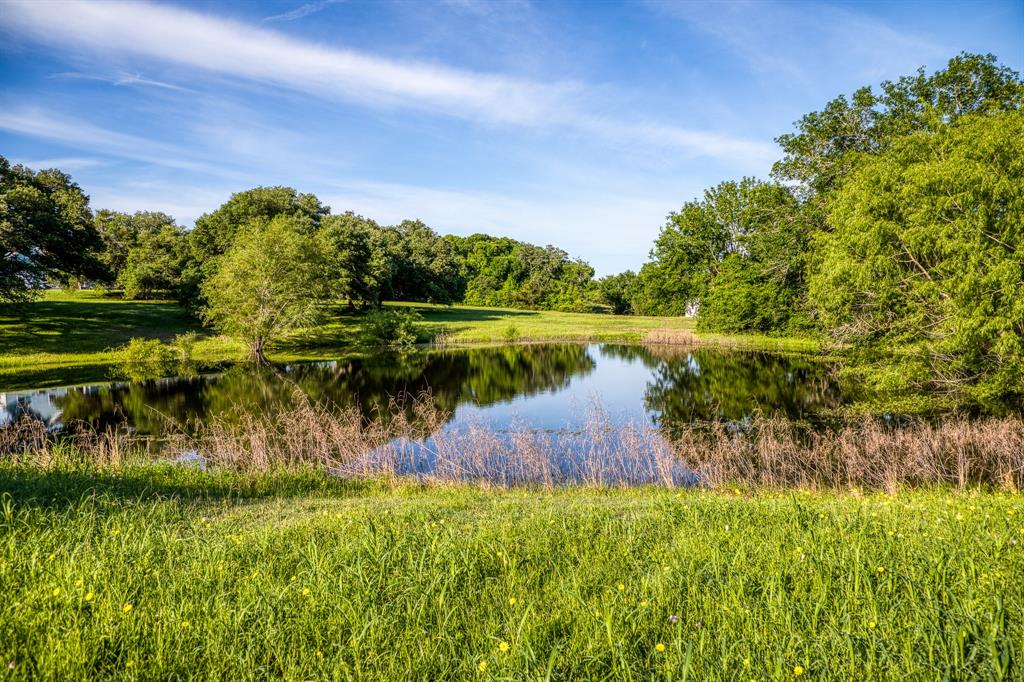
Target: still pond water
column 545, row 387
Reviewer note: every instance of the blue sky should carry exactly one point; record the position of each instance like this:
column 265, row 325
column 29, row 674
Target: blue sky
column 580, row 124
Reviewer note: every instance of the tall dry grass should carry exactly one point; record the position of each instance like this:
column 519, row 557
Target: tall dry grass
column 414, row 439
column 681, row 337
column 868, row 452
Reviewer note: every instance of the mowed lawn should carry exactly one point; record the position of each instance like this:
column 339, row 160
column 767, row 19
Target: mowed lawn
column 161, row 572
column 64, row 337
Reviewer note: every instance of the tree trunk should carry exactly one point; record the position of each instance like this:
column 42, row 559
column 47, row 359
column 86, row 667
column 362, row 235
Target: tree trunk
column 256, row 351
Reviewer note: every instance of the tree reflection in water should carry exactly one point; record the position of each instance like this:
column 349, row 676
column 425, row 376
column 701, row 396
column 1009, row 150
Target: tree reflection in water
column 691, row 386
column 673, row 387
column 374, row 385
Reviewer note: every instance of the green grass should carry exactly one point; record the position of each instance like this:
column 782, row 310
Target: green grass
column 68, row 338
column 161, row 572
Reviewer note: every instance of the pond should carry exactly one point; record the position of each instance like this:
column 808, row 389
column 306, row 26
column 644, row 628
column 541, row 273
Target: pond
column 544, row 387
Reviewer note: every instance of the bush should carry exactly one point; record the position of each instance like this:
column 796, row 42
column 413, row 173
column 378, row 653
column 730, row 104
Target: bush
column 511, row 333
column 144, row 359
column 390, row 327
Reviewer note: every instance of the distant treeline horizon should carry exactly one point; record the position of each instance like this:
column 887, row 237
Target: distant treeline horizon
column 892, row 224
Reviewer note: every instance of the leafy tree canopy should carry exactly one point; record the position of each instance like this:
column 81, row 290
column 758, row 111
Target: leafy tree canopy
column 924, row 257
column 121, row 232
column 154, row 264
column 504, row 272
column 214, row 233
column 46, row 231
column 266, row 284
column 819, row 155
column 738, row 256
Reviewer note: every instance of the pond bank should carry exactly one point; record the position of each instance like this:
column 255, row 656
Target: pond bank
column 72, row 334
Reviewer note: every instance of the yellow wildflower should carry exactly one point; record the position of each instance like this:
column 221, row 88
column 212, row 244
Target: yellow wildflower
column 56, row 592
column 482, row 666
column 798, row 671
column 503, row 647
column 126, row 608
column 88, row 596
column 659, row 647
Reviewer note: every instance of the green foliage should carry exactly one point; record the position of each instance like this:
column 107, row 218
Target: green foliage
column 154, row 264
column 354, row 258
column 738, row 256
column 619, row 292
column 395, row 328
column 267, row 284
column 304, row 576
column 825, row 148
column 46, row 232
column 214, row 233
column 185, row 345
column 924, row 256
column 503, row 272
column 144, row 359
column 912, row 235
column 511, row 333
column 122, row 232
column 423, row 267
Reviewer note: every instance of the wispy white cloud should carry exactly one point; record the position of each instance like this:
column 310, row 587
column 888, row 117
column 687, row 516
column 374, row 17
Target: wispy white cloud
column 238, row 50
column 119, row 80
column 303, row 10
column 64, row 163
column 83, row 135
column 183, row 201
column 774, row 37
column 229, row 47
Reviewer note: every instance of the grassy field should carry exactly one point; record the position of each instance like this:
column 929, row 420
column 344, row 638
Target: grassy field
column 158, row 572
column 68, row 338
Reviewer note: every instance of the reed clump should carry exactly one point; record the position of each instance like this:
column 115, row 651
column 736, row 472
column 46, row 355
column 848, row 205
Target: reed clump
column 681, row 337
column 868, row 452
column 412, row 438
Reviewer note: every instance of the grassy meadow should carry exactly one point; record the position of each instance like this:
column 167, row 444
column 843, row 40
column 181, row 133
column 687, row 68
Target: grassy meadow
column 126, row 568
column 158, row 572
column 68, row 338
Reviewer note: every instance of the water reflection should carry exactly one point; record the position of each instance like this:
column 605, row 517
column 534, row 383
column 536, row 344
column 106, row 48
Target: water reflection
column 689, row 386
column 540, row 385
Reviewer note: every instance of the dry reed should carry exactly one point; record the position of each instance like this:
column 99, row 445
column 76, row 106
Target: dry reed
column 681, row 337
column 414, row 439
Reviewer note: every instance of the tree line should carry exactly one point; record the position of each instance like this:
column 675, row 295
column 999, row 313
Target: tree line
column 50, row 236
column 892, row 224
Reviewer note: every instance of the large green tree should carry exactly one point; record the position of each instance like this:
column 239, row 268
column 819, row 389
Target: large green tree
column 826, row 144
column 269, row 282
column 46, row 231
column 214, row 233
column 121, row 232
column 738, row 256
column 154, row 264
column 499, row 271
column 424, row 267
column 356, row 260
column 922, row 270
